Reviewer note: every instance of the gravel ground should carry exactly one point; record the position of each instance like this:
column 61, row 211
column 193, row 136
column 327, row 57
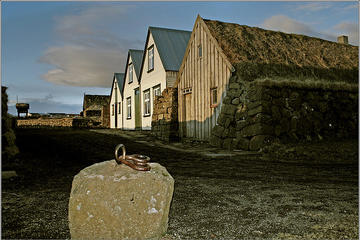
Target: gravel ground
column 313, row 195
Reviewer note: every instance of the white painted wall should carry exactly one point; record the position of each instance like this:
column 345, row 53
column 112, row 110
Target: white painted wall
column 150, row 80
column 113, row 101
column 129, row 124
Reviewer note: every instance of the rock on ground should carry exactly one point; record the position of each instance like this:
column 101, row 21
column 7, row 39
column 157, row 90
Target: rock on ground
column 111, row 201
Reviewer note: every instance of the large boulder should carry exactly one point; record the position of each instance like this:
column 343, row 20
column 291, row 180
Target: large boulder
column 111, row 201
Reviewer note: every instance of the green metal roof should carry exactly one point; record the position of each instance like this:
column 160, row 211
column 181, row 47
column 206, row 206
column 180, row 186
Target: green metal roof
column 120, row 79
column 136, row 56
column 171, row 45
column 120, row 82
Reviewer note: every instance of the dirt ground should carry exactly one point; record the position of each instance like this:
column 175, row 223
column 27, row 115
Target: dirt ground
column 303, row 191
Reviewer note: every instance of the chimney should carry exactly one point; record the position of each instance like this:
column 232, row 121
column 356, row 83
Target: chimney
column 343, row 39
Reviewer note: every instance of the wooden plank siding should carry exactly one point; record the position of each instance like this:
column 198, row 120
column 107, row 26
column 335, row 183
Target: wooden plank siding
column 212, row 70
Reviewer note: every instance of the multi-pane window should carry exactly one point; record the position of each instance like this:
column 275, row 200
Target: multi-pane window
column 200, row 51
column 157, row 90
column 147, row 102
column 131, row 73
column 151, row 58
column 119, row 105
column 112, row 110
column 213, row 96
column 128, row 104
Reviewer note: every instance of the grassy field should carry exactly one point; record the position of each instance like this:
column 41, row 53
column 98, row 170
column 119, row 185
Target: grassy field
column 310, row 196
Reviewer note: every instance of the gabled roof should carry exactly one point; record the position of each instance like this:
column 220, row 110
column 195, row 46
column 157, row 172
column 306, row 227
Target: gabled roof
column 120, row 79
column 171, row 45
column 95, row 100
column 136, row 57
column 255, row 46
column 120, row 82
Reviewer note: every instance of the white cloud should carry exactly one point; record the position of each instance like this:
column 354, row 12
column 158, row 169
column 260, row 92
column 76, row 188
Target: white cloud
column 352, row 6
column 313, row 7
column 83, row 66
column 89, row 53
column 348, row 29
column 285, row 24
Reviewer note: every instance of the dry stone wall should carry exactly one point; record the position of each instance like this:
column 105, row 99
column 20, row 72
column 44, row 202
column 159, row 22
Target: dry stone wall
column 255, row 114
column 45, row 122
column 164, row 123
column 79, row 122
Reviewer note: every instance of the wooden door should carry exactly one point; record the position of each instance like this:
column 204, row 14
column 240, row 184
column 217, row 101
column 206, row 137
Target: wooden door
column 137, row 109
column 187, row 131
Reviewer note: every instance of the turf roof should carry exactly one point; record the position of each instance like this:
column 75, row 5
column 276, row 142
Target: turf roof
column 258, row 52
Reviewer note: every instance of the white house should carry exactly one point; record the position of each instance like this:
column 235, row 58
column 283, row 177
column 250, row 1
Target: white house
column 116, row 100
column 163, row 54
column 131, row 91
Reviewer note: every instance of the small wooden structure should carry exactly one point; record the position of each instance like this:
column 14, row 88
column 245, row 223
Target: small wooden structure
column 202, row 81
column 22, row 108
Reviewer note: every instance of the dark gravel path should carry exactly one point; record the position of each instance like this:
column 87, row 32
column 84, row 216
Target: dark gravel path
column 224, row 198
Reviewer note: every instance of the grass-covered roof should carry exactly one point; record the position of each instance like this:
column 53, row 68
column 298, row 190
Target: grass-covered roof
column 255, row 52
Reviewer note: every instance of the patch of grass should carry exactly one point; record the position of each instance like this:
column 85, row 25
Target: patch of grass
column 307, row 83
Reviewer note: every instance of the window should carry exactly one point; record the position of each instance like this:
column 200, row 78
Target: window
column 130, row 73
column 200, row 51
column 112, row 110
column 151, row 58
column 157, row 90
column 119, row 104
column 213, row 95
column 128, row 104
column 147, row 102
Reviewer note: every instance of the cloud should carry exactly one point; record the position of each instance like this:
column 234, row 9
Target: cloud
column 349, row 29
column 89, row 53
column 83, row 66
column 46, row 105
column 313, row 7
column 351, row 6
column 285, row 24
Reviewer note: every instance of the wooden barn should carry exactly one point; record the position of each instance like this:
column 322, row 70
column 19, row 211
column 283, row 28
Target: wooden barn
column 116, row 100
column 202, row 81
column 222, row 62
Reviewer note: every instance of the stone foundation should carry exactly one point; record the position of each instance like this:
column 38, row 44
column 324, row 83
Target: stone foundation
column 258, row 113
column 164, row 123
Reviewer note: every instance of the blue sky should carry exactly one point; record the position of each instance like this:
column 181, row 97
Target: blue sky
column 54, row 52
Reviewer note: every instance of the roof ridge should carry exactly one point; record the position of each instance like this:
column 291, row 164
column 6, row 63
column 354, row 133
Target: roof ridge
column 171, row 29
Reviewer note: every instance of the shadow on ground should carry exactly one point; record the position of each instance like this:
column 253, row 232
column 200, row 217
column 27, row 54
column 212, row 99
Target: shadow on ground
column 233, row 197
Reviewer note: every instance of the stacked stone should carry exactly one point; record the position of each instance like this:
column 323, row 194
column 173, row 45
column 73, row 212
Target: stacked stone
column 49, row 122
column 254, row 115
column 9, row 150
column 164, row 123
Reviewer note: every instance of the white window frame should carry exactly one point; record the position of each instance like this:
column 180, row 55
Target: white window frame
column 119, row 105
column 151, row 57
column 214, row 94
column 128, row 107
column 147, row 103
column 112, row 110
column 157, row 90
column 131, row 73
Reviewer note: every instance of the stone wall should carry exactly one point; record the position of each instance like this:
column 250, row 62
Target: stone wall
column 45, row 122
column 9, row 150
column 258, row 113
column 164, row 123
column 105, row 115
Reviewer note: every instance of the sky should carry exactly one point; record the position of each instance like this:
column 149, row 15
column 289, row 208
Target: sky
column 54, row 52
